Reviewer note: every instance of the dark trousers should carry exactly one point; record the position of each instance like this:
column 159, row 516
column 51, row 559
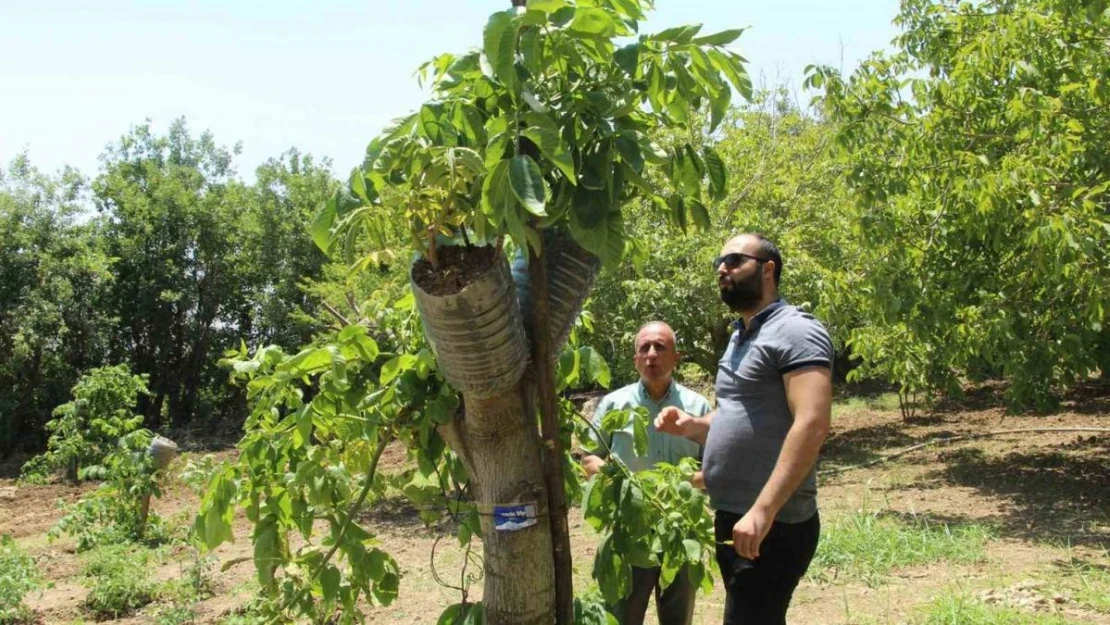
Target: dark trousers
column 675, row 603
column 757, row 592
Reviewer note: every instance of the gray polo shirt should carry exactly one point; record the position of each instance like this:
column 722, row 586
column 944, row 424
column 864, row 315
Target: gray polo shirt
column 753, row 416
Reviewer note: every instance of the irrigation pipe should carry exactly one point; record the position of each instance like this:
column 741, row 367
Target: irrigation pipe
column 962, row 437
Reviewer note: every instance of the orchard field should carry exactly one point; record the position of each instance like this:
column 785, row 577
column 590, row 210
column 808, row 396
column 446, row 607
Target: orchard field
column 1003, row 530
column 362, row 373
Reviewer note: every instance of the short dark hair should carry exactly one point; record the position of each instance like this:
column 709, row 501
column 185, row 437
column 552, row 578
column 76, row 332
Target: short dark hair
column 770, row 251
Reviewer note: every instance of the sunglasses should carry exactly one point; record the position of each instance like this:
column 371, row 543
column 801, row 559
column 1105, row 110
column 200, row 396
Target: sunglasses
column 734, row 260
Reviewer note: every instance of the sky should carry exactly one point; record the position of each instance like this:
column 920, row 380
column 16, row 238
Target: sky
column 324, row 76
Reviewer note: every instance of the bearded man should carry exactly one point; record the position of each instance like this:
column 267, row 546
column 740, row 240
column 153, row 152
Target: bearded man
column 774, row 399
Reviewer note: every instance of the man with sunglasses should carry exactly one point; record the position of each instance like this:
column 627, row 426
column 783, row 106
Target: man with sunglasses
column 774, row 398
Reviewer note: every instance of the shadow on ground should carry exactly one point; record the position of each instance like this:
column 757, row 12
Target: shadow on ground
column 400, row 515
column 1059, row 496
column 852, row 447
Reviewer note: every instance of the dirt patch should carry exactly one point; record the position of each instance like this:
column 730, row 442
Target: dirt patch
column 459, row 266
column 1044, row 496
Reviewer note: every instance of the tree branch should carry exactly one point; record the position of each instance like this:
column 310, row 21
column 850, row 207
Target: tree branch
column 335, row 313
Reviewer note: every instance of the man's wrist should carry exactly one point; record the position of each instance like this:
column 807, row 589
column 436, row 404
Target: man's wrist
column 764, row 509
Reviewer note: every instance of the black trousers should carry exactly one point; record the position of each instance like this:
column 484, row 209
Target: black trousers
column 757, row 592
column 675, row 603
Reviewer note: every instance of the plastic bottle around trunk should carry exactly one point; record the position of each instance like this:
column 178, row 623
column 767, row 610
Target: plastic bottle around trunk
column 477, row 333
column 571, row 272
column 162, row 450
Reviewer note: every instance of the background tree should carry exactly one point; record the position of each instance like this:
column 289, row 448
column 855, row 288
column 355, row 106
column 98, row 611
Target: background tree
column 289, row 190
column 53, row 287
column 174, row 218
column 787, row 184
column 981, row 184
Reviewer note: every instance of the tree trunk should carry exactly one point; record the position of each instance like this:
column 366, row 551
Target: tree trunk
column 544, row 360
column 497, row 442
column 481, row 348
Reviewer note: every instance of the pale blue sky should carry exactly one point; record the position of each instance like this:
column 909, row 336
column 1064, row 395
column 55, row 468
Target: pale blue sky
column 324, row 76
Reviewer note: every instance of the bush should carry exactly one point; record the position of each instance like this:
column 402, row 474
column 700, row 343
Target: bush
column 120, row 580
column 18, row 576
column 84, row 431
column 112, row 513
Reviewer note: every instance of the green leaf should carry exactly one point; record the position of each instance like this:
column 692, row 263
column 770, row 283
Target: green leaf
column 321, row 226
column 497, row 196
column 376, row 560
column 630, row 152
column 631, row 506
column 718, row 107
column 453, row 615
column 594, row 365
column 693, row 550
column 628, row 59
column 1095, row 9
column 678, row 34
column 439, row 411
column 731, row 66
column 612, row 572
column 396, row 366
column 593, row 21
column 267, row 550
column 678, row 211
column 669, row 570
column 385, row 591
column 688, row 168
column 657, row 88
column 547, row 6
column 639, row 432
column 499, row 47
column 718, row 173
column 699, row 214
column 568, row 366
column 475, row 615
column 329, row 583
column 309, row 361
column 597, row 229
column 544, row 133
column 216, row 527
column 615, row 420
column 527, row 184
column 722, row 38
column 593, row 501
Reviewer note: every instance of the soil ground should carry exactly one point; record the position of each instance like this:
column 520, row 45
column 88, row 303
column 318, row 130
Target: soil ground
column 1044, row 496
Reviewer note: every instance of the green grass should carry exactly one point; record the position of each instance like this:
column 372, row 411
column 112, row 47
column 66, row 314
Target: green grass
column 18, row 576
column 1087, row 583
column 960, row 608
column 884, row 402
column 868, row 546
column 120, row 580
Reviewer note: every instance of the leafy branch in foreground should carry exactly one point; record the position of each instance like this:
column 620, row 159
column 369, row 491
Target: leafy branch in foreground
column 647, row 519
column 550, row 123
column 320, row 422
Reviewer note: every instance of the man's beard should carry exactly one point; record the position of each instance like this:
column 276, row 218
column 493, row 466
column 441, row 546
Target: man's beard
column 743, row 295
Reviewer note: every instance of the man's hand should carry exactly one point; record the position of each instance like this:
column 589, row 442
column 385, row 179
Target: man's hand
column 698, row 480
column 671, row 420
column 592, row 464
column 749, row 532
